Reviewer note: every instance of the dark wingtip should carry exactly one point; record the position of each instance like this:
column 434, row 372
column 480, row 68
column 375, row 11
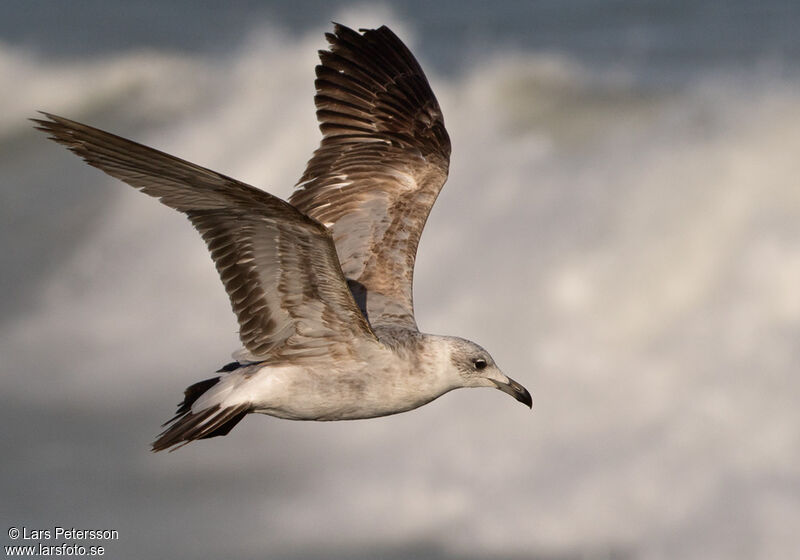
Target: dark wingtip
column 42, row 124
column 59, row 129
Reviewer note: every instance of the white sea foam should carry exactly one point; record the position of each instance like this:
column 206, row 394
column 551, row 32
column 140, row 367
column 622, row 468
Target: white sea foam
column 629, row 255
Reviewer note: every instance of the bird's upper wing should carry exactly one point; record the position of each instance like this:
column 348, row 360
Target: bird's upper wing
column 278, row 266
column 382, row 161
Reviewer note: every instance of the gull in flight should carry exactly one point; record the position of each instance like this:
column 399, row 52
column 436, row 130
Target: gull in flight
column 321, row 284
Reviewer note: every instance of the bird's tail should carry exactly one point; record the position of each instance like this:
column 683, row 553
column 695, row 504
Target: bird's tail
column 209, row 422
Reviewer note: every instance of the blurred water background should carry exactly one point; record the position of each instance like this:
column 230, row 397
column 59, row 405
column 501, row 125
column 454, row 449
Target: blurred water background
column 621, row 229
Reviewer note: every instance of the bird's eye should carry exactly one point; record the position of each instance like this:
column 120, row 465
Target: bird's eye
column 479, row 363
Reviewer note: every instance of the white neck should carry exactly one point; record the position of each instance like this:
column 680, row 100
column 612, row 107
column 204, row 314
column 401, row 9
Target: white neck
column 438, row 364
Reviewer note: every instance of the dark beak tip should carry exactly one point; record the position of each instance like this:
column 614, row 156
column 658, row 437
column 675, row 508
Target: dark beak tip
column 526, row 399
column 517, row 391
column 522, row 394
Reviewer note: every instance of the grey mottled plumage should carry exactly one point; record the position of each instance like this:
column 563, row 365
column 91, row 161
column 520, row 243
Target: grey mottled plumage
column 322, row 285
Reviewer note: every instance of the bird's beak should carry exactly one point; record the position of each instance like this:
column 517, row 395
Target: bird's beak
column 511, row 387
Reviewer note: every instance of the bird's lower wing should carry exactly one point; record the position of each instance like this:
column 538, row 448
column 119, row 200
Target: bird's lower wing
column 279, row 267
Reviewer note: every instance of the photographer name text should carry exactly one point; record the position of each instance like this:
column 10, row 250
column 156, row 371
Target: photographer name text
column 63, row 533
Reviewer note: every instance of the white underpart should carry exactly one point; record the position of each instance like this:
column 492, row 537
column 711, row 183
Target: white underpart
column 296, row 392
column 244, row 386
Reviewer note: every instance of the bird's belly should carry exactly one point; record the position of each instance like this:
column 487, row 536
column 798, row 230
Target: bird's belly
column 306, row 395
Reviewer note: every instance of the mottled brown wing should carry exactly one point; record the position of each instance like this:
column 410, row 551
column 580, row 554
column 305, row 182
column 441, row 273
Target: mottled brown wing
column 382, row 161
column 278, row 266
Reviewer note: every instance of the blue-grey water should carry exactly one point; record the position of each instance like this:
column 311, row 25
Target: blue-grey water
column 621, row 229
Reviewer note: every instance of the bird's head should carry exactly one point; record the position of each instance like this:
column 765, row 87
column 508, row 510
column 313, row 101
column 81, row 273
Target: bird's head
column 476, row 368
